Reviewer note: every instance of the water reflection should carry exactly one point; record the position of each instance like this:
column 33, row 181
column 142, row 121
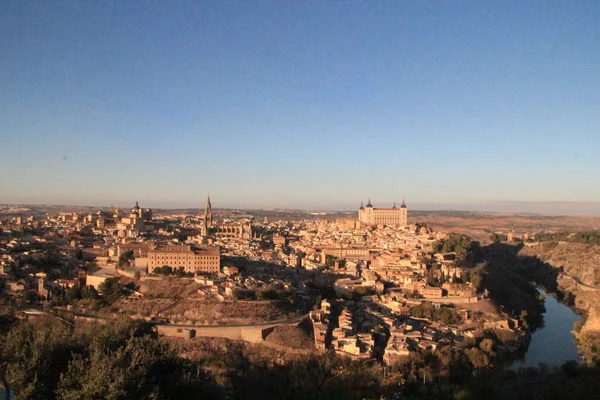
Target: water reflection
column 552, row 344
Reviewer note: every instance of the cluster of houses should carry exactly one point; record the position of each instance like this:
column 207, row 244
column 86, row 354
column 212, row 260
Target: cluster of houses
column 345, row 338
column 381, row 326
column 321, row 320
column 388, row 267
column 54, row 249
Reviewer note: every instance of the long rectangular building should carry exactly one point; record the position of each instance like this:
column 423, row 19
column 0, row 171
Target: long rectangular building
column 192, row 259
column 371, row 216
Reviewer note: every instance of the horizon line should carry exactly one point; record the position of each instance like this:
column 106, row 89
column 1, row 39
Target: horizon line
column 464, row 207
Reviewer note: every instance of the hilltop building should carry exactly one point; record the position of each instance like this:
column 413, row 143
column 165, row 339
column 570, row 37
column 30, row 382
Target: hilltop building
column 236, row 229
column 126, row 225
column 142, row 214
column 135, row 222
column 192, row 259
column 371, row 216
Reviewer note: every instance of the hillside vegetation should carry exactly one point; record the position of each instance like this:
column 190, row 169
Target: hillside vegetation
column 578, row 260
column 47, row 359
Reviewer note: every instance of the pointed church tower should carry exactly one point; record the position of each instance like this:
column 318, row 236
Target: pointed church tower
column 208, row 217
column 137, row 210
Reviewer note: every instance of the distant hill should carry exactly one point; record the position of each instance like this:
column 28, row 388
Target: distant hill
column 39, row 211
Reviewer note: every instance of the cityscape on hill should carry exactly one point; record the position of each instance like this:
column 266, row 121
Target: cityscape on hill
column 250, row 200
column 381, row 288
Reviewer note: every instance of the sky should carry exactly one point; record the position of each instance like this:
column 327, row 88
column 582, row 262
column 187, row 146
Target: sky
column 311, row 105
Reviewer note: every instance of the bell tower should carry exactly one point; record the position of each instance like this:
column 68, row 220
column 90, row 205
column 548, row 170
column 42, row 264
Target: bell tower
column 208, row 217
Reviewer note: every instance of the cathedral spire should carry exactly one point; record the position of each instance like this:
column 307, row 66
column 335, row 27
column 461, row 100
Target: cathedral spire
column 208, row 217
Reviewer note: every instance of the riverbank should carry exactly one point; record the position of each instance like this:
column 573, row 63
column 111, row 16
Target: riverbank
column 577, row 276
column 584, row 333
column 555, row 334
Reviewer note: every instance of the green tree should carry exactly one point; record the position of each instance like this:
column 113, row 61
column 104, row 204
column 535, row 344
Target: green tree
column 475, row 278
column 111, row 289
column 243, row 294
column 487, row 345
column 504, row 336
column 124, row 372
column 164, row 270
column 72, row 294
column 446, row 316
column 478, row 358
column 498, row 237
column 417, row 311
column 313, row 376
column 268, row 293
column 454, row 365
column 123, row 359
column 33, row 356
column 28, row 297
column 461, row 253
column 433, row 275
column 89, row 266
column 89, row 292
column 358, row 292
column 125, row 257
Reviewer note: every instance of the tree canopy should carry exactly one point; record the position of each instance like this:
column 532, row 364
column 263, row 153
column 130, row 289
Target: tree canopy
column 111, row 289
column 125, row 257
column 120, row 360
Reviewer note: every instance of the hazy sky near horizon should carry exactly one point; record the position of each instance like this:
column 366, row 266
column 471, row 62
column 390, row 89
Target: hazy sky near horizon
column 299, row 104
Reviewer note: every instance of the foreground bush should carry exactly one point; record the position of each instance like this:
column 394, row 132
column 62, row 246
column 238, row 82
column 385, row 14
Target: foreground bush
column 121, row 360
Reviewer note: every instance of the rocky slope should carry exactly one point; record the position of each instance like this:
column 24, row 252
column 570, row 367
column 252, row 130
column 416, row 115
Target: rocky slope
column 580, row 267
column 578, row 260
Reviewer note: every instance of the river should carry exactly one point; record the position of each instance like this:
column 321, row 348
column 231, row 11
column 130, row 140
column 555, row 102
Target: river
column 554, row 343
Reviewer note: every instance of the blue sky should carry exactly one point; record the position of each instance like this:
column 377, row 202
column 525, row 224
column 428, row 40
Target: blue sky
column 300, row 104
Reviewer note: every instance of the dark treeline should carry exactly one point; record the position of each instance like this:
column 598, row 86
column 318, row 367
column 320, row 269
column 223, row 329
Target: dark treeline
column 588, row 237
column 509, row 278
column 47, row 359
column 466, row 251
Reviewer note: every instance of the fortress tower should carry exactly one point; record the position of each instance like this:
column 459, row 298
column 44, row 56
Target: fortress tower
column 371, row 216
